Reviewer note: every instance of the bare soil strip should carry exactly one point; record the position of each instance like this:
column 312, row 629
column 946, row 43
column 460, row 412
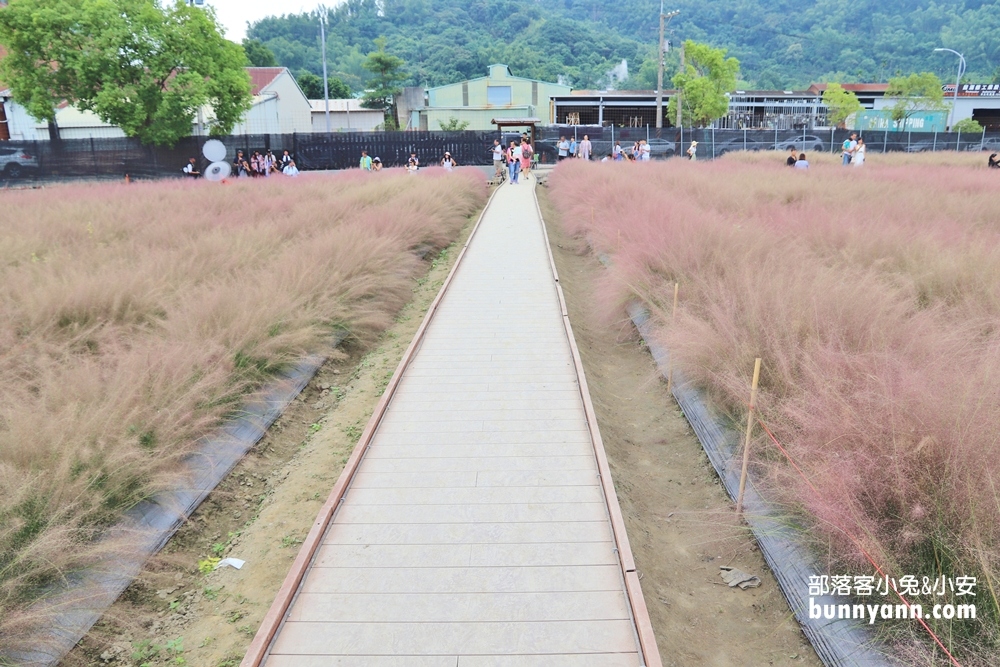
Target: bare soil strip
column 680, row 522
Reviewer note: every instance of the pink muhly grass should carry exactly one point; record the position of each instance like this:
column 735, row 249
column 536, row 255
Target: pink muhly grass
column 873, row 297
column 135, row 317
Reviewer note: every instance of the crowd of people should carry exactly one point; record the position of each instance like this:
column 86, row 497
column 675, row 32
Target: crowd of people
column 257, row 165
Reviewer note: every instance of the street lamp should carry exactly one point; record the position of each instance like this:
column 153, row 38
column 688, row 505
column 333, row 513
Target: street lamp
column 958, row 81
column 659, row 73
column 326, row 85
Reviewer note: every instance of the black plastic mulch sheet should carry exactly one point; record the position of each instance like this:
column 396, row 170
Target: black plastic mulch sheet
column 838, row 643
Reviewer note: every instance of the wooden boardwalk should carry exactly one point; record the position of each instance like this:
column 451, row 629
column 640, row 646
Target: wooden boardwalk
column 476, row 529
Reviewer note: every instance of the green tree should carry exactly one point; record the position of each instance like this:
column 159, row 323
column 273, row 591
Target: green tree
column 258, row 55
column 137, row 65
column 386, row 82
column 453, row 124
column 968, row 125
column 841, row 103
column 312, row 85
column 913, row 93
column 703, row 82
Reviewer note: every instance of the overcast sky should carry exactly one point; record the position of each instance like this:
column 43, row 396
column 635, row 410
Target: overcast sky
column 235, row 14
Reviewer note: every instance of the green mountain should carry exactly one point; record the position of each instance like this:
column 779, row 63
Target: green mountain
column 780, row 43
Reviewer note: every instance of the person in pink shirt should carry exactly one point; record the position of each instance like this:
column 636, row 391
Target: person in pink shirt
column 526, row 153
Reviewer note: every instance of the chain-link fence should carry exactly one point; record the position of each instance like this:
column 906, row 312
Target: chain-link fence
column 114, row 158
column 716, row 143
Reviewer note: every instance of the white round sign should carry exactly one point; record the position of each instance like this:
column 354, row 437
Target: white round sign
column 218, row 171
column 214, row 151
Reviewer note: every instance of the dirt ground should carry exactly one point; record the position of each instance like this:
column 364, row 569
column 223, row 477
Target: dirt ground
column 680, row 521
column 173, row 614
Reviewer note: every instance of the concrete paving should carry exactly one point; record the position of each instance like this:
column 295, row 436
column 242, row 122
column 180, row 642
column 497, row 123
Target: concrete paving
column 475, row 532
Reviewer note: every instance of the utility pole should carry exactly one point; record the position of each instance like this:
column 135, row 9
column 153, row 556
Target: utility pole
column 326, row 83
column 680, row 102
column 664, row 19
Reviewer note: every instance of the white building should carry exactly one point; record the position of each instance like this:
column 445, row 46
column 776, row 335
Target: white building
column 345, row 116
column 278, row 107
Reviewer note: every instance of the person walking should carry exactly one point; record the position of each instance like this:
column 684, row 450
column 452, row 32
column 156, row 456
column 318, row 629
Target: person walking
column 514, row 161
column 859, row 154
column 498, row 168
column 848, row 148
column 526, row 154
column 692, row 151
column 448, row 162
column 366, row 162
column 585, row 148
column 563, row 149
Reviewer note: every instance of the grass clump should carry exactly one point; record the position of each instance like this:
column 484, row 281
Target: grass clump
column 135, row 318
column 873, row 297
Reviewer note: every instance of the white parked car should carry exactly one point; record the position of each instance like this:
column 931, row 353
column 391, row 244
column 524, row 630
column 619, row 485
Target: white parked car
column 16, row 162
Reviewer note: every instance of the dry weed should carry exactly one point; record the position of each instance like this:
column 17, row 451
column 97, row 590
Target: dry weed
column 134, row 318
column 873, row 297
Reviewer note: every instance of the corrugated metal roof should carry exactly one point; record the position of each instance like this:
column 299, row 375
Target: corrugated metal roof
column 340, row 105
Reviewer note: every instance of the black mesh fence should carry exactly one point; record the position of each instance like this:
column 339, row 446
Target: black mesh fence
column 114, row 158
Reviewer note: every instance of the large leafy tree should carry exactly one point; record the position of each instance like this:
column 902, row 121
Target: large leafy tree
column 841, row 103
column 912, row 94
column 146, row 68
column 703, row 83
column 312, row 85
column 258, row 55
column 386, row 82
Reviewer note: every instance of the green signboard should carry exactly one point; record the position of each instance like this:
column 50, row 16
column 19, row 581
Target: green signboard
column 921, row 121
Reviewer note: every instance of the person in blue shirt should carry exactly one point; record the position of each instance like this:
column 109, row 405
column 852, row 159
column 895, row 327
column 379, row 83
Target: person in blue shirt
column 572, row 148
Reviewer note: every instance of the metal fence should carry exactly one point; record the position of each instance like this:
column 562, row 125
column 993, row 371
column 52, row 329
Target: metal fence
column 114, row 158
column 716, row 143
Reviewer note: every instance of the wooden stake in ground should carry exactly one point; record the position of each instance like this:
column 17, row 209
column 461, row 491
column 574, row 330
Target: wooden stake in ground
column 670, row 357
column 746, row 441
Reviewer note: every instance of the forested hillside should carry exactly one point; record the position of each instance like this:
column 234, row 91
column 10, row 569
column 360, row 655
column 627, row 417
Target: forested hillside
column 780, row 43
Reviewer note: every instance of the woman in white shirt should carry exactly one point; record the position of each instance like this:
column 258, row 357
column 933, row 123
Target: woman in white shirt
column 859, row 154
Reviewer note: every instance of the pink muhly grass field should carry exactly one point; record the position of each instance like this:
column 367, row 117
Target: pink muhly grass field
column 134, row 317
column 873, row 297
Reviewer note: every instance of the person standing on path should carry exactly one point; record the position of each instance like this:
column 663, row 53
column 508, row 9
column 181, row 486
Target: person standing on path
column 514, row 161
column 448, row 162
column 498, row 168
column 573, row 146
column 526, row 153
column 859, row 154
column 585, row 148
column 692, row 151
column 847, row 150
column 563, row 149
column 366, row 162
